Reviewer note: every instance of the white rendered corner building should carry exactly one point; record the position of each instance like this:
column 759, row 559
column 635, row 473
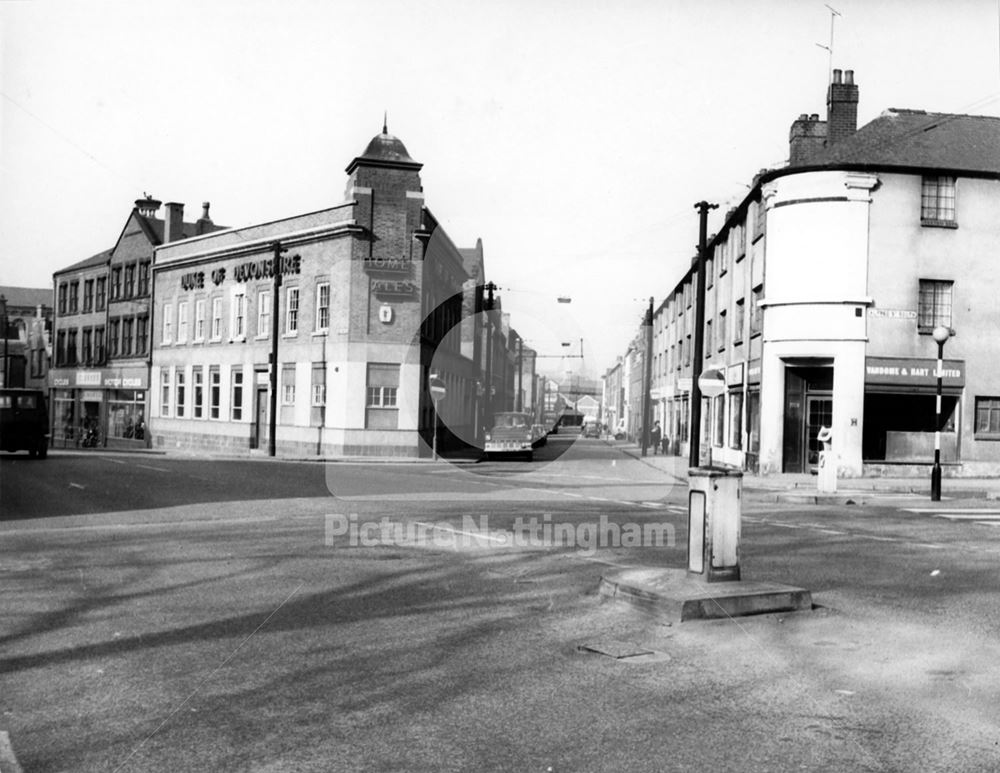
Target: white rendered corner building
column 824, row 286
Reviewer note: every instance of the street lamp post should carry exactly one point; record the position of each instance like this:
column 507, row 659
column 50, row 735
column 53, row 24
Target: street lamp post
column 940, row 335
column 3, row 322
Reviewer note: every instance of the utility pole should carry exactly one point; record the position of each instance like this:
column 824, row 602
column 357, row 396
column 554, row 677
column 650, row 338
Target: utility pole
column 488, row 401
column 519, row 400
column 273, row 424
column 694, row 457
column 647, row 377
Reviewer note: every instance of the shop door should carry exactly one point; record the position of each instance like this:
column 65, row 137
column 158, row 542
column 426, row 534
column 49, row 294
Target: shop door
column 260, row 427
column 819, row 413
column 792, row 455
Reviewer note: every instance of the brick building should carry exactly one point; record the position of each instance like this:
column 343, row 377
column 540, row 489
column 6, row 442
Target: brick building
column 100, row 373
column 27, row 314
column 362, row 302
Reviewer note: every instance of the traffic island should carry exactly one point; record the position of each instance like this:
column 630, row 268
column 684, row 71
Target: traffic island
column 711, row 586
column 675, row 595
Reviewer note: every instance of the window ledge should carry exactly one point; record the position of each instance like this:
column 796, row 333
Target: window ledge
column 986, row 436
column 935, row 223
column 924, row 330
column 322, row 332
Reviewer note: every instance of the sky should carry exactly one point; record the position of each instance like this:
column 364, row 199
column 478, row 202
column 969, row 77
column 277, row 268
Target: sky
column 573, row 138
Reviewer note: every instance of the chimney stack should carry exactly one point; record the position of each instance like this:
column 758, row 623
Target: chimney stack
column 173, row 227
column 806, row 140
column 204, row 222
column 841, row 107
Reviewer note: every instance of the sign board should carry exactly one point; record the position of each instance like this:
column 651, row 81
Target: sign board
column 437, row 388
column 712, row 382
column 913, row 371
column 892, row 313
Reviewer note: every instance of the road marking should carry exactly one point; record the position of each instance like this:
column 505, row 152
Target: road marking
column 463, row 533
column 113, row 461
column 952, row 510
column 652, row 504
column 156, row 525
column 77, row 485
column 150, row 467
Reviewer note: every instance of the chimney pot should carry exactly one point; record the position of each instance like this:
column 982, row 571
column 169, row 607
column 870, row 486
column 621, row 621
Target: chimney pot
column 837, row 76
column 804, row 117
column 204, row 210
column 849, row 77
column 814, row 117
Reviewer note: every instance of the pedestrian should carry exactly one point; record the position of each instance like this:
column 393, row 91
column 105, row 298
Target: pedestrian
column 654, row 437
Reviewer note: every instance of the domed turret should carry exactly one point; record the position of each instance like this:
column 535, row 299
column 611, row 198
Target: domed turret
column 387, row 151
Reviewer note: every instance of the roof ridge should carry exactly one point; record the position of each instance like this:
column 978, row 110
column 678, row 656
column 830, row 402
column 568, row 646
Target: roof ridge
column 933, row 114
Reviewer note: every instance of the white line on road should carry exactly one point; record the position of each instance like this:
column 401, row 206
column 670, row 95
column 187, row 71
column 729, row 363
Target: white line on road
column 459, row 531
column 77, row 485
column 954, row 510
column 113, row 461
column 156, row 525
column 150, row 467
column 652, row 504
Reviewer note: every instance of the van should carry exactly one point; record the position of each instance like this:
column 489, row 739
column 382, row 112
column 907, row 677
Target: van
column 24, row 421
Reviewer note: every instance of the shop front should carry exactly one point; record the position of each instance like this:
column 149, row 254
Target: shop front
column 99, row 407
column 900, row 413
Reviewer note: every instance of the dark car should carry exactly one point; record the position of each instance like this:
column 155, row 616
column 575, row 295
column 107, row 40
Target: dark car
column 24, row 421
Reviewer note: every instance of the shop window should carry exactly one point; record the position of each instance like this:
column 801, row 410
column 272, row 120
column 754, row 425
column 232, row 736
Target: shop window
column 100, row 294
column 199, row 320
column 934, row 305
column 165, row 392
column 180, row 393
column 127, row 414
column 736, row 420
column 182, row 322
column 237, row 402
column 214, row 391
column 198, row 391
column 322, row 307
column 263, row 314
column 288, row 384
column 291, row 311
column 987, row 418
column 381, row 410
column 937, row 201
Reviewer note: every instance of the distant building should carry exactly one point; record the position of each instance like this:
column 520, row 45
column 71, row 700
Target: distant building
column 27, row 337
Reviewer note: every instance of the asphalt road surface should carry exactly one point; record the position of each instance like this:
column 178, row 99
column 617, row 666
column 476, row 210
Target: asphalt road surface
column 166, row 613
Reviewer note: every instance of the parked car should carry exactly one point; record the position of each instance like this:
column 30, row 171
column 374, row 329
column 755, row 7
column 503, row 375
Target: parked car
column 512, row 435
column 620, row 433
column 24, row 421
column 591, row 429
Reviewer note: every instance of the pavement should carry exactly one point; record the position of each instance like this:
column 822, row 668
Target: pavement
column 803, row 489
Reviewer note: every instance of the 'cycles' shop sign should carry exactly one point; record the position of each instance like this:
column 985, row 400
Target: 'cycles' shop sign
column 109, row 378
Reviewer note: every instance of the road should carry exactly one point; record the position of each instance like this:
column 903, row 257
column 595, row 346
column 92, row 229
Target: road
column 199, row 614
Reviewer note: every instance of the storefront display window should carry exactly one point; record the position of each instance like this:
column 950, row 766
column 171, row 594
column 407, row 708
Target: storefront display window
column 127, row 414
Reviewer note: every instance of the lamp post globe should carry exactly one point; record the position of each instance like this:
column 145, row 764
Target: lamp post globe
column 940, row 334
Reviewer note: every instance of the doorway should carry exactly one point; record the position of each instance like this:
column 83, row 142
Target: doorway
column 808, row 406
column 260, row 420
